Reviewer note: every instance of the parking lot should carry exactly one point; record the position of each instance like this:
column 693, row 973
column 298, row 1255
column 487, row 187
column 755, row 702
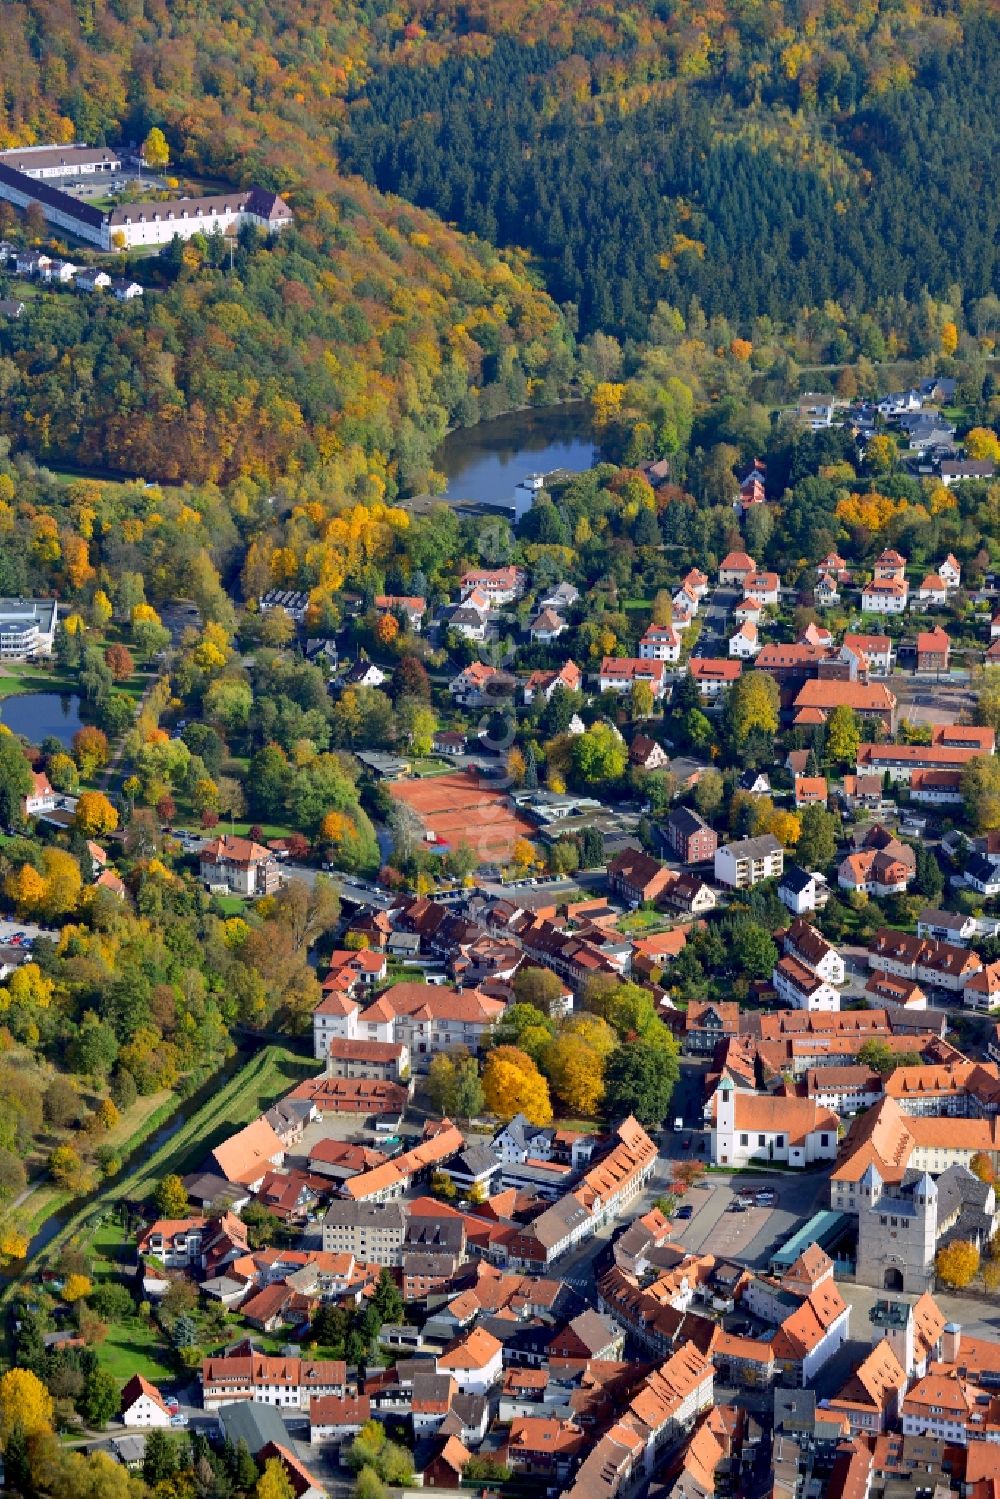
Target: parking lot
column 9, row 929
column 751, row 1236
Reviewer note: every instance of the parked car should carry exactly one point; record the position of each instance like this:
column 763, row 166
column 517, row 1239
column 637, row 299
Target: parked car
column 684, row 1212
column 766, row 1199
column 179, row 1419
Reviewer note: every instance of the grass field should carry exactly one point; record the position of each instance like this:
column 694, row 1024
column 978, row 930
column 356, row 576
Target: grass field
column 641, row 921
column 132, row 1346
column 29, row 677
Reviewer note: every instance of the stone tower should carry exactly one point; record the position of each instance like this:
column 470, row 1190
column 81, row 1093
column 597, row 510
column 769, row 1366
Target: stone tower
column 897, row 1234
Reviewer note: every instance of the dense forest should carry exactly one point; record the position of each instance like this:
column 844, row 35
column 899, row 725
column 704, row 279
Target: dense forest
column 688, row 195
column 792, row 168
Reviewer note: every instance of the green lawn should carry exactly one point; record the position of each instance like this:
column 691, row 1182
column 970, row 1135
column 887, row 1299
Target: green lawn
column 30, row 677
column 430, row 767
column 642, row 921
column 232, row 905
column 132, row 1346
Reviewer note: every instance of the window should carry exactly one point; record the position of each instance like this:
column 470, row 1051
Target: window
column 761, row 1140
column 744, row 1139
column 824, row 1140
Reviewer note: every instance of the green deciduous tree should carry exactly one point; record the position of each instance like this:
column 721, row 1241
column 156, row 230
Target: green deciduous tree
column 640, row 1080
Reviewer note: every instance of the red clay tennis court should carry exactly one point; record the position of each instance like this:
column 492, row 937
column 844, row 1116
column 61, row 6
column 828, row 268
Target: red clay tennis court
column 460, row 808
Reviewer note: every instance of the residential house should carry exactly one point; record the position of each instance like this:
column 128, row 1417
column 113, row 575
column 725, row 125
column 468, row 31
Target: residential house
column 660, row 643
column 754, row 782
column 802, row 891
column 933, row 649
column 568, row 676
column 337, row 1418
column 124, row 289
column 932, row 592
column 41, row 798
column 546, row 626
column 826, row 593
column 713, row 675
column 884, row 596
column 804, row 943
column 92, row 279
column 810, row 791
column 620, row 674
column 747, row 861
column 175, row 1242
column 474, row 1361
column 874, row 872
column 946, row 926
column 647, row 754
column 735, row 569
column 241, row 865
column 690, row 837
column 801, row 988
column 867, row 655
column 410, row 606
column 745, row 644
column 501, row 585
column 764, row 587
column 890, row 566
column 958, row 470
column 707, row 1022
column 478, row 684
column 142, row 1404
column 560, row 598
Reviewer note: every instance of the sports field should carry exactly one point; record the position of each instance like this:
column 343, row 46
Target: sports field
column 462, row 808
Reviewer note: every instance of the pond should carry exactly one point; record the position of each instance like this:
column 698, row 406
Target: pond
column 487, row 462
column 42, row 715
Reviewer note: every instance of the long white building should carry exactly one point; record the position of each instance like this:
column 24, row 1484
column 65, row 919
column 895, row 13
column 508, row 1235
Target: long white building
column 27, row 175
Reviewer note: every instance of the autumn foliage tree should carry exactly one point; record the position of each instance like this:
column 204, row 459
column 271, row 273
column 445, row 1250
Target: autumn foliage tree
column 512, row 1084
column 90, row 749
column 120, row 662
column 957, row 1263
column 95, row 815
column 24, row 1402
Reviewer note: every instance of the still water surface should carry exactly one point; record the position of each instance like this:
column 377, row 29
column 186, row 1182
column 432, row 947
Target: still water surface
column 487, row 461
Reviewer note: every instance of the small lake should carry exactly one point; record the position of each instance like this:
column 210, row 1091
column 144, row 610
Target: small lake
column 42, row 715
column 486, row 462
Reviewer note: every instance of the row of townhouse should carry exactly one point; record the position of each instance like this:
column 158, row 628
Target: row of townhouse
column 602, row 1194
column 923, row 959
column 806, row 977
column 290, row 1383
column 665, row 1406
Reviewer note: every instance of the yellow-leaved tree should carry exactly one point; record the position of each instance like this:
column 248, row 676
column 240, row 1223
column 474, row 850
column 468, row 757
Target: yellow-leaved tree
column 957, row 1263
column 24, row 1401
column 95, row 814
column 576, row 1073
column 512, row 1084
